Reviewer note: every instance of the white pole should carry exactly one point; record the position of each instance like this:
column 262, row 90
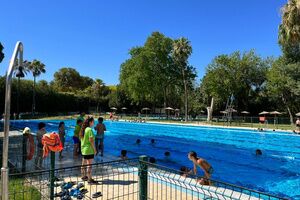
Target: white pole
column 4, row 170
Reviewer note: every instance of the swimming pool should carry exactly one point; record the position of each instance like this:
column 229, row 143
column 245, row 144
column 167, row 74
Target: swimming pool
column 230, row 151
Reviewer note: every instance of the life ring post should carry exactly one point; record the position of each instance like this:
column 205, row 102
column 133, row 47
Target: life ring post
column 24, row 154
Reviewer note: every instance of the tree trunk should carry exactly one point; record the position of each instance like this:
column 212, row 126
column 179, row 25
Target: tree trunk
column 289, row 110
column 33, row 97
column 185, row 102
column 185, row 97
column 291, row 116
column 97, row 109
column 165, row 97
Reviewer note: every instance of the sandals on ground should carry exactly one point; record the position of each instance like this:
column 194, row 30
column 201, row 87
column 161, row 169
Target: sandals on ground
column 97, row 194
column 92, row 181
column 84, row 178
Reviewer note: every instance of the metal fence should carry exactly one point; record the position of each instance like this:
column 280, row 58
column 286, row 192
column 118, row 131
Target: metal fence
column 17, row 154
column 122, row 179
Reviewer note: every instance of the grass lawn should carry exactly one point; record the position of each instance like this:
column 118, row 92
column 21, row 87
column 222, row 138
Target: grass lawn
column 19, row 191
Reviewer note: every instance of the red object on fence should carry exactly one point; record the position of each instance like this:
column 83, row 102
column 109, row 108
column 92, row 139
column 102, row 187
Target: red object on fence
column 262, row 119
column 51, row 142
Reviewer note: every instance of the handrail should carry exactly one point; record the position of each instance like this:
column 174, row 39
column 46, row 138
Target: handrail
column 18, row 51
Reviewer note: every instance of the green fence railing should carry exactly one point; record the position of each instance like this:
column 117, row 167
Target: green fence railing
column 123, row 179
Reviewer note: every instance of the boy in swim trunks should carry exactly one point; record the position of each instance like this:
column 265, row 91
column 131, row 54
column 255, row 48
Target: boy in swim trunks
column 99, row 141
column 76, row 138
column 204, row 165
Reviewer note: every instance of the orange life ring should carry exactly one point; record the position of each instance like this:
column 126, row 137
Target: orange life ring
column 30, row 147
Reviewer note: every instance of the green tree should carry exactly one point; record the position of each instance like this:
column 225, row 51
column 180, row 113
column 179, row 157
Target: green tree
column 158, row 49
column 240, row 75
column 37, row 68
column 99, row 92
column 289, row 31
column 1, row 52
column 182, row 50
column 85, row 82
column 67, row 80
column 284, row 84
column 137, row 78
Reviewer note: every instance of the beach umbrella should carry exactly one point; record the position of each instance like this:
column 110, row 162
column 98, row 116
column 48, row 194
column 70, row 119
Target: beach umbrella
column 113, row 108
column 146, row 109
column 223, row 112
column 231, row 110
column 275, row 113
column 298, row 114
column 263, row 113
column 169, row 108
column 123, row 109
column 245, row 112
column 177, row 110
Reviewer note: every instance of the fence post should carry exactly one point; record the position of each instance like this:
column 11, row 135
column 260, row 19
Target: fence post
column 52, row 177
column 143, row 178
column 24, row 153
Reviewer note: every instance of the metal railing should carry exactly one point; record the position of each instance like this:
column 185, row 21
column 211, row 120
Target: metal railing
column 123, row 179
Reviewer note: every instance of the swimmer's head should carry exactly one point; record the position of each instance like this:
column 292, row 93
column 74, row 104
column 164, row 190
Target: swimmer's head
column 192, row 155
column 138, row 141
column 167, row 153
column 152, row 160
column 123, row 153
column 258, row 152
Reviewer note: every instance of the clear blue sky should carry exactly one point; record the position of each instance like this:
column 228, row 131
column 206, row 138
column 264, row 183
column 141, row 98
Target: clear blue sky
column 94, row 36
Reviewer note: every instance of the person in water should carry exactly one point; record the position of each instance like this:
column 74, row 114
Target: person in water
column 138, row 141
column 204, row 165
column 62, row 134
column 167, row 154
column 124, row 155
column 99, row 142
column 152, row 160
column 152, row 141
column 258, row 152
column 184, row 171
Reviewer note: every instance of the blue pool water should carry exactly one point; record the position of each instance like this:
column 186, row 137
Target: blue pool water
column 230, row 151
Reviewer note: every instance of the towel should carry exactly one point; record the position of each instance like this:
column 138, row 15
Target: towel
column 51, row 142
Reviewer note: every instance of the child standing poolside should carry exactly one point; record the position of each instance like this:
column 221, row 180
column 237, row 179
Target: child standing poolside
column 39, row 136
column 76, row 139
column 62, row 134
column 99, row 142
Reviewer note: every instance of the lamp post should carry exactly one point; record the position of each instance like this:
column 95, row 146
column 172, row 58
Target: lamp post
column 19, row 74
column 18, row 51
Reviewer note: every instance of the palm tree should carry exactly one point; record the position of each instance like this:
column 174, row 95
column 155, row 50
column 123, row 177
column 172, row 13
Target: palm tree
column 97, row 91
column 1, row 52
column 289, row 30
column 182, row 49
column 37, row 68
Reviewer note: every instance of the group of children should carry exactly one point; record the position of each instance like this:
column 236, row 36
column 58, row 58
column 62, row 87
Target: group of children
column 99, row 138
column 89, row 145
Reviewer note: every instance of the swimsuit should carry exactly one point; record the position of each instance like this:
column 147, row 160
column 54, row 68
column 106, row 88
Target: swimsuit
column 210, row 170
